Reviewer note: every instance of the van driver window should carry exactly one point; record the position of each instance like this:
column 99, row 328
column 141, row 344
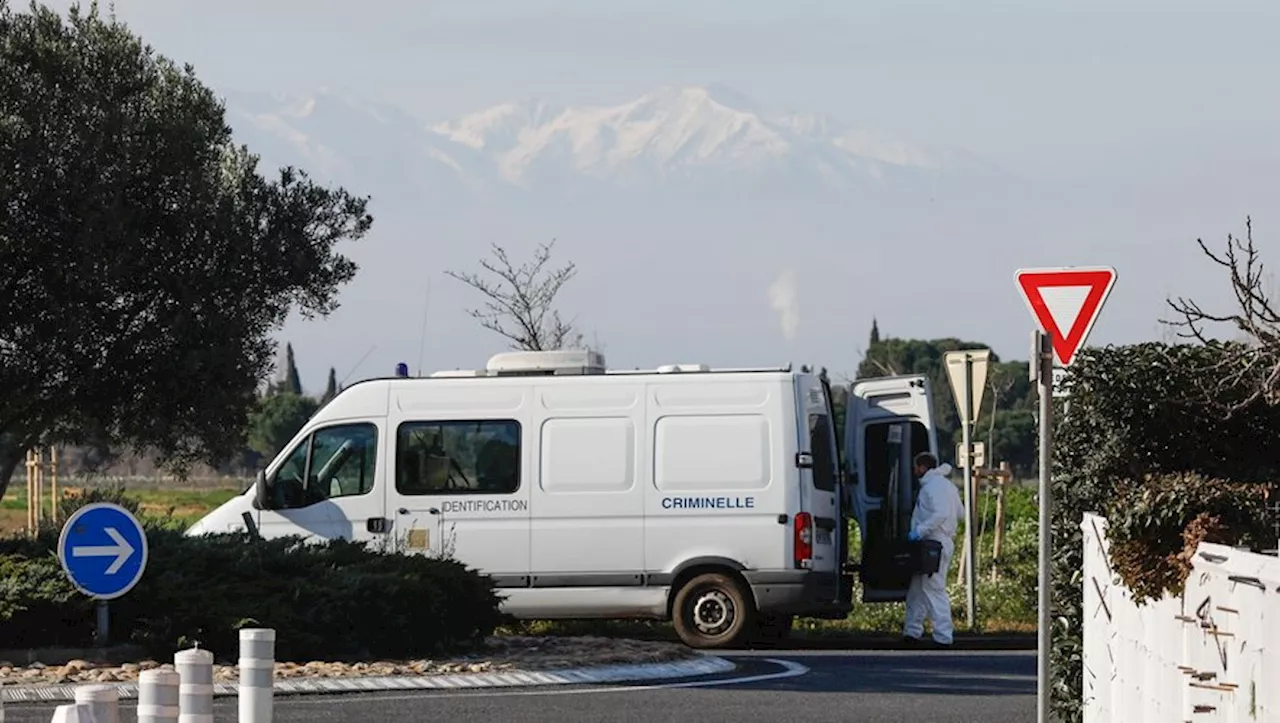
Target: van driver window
column 337, row 461
column 458, row 457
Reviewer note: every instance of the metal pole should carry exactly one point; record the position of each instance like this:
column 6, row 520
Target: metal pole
column 195, row 689
column 158, row 696
column 257, row 674
column 970, row 578
column 103, row 700
column 103, row 632
column 1044, row 360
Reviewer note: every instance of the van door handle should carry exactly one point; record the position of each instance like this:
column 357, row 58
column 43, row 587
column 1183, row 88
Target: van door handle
column 403, row 511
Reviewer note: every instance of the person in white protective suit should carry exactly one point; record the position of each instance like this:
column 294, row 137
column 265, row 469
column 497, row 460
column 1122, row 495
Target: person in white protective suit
column 936, row 516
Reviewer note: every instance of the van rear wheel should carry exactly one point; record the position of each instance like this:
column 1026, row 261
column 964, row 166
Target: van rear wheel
column 713, row 611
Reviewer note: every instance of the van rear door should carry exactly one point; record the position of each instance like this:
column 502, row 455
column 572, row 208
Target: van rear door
column 889, row 420
column 819, row 474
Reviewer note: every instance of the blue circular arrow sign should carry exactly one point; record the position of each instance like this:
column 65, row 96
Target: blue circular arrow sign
column 103, row 550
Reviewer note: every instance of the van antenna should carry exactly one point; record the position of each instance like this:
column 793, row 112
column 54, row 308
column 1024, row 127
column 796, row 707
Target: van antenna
column 357, row 366
column 422, row 341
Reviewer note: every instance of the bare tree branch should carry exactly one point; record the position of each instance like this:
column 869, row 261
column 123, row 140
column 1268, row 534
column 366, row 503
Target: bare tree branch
column 1252, row 365
column 519, row 302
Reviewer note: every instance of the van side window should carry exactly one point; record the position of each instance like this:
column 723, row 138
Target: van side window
column 458, row 457
column 824, row 460
column 333, row 462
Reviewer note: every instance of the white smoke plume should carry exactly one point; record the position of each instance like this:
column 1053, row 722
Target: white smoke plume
column 782, row 297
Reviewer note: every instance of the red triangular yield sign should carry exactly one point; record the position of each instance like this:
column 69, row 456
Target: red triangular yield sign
column 1065, row 302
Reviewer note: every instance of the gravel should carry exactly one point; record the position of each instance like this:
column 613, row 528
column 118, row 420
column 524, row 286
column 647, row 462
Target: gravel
column 495, row 655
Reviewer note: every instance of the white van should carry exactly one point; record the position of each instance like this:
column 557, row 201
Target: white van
column 712, row 498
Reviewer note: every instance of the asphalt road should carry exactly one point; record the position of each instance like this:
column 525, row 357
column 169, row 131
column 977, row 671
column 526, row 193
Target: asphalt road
column 869, row 687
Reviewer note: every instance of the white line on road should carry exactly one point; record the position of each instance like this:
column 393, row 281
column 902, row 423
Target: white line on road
column 790, row 669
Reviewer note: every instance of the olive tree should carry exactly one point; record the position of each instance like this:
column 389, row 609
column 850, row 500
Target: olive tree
column 145, row 260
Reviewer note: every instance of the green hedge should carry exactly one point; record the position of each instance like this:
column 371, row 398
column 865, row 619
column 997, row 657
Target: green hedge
column 1138, row 443
column 1154, row 527
column 326, row 601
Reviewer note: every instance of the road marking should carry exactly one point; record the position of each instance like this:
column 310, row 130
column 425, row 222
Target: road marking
column 790, row 669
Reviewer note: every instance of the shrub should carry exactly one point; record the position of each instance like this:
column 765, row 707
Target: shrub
column 1137, row 413
column 326, row 601
column 1155, row 526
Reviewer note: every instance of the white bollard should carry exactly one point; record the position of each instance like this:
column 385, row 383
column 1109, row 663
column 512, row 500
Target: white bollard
column 195, row 687
column 257, row 674
column 74, row 713
column 103, row 700
column 157, row 696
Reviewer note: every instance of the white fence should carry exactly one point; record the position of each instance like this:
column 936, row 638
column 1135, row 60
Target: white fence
column 1210, row 654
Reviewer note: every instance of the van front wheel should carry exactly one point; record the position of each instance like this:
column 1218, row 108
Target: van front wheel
column 712, row 611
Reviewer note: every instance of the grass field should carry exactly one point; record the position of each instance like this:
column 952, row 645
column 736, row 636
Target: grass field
column 185, row 503
column 1006, row 604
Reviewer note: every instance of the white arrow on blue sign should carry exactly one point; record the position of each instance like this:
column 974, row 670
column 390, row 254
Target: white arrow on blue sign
column 103, row 550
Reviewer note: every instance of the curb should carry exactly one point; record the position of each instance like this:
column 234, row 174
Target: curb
column 703, row 665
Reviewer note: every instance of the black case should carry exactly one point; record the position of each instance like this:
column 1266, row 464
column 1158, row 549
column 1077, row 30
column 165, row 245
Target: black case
column 922, row 557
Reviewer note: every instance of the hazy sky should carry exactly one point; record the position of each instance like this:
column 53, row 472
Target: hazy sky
column 1167, row 107
column 1065, row 82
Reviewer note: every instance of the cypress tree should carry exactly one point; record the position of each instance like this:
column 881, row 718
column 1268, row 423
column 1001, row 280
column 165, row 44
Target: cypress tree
column 292, row 380
column 331, row 388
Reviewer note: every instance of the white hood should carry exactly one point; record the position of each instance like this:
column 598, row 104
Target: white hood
column 225, row 518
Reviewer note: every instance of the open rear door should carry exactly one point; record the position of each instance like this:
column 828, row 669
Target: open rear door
column 888, row 421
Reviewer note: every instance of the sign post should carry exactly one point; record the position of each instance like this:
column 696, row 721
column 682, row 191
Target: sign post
column 967, row 372
column 1064, row 302
column 103, row 550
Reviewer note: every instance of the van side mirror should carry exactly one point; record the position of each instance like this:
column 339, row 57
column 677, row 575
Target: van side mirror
column 261, row 495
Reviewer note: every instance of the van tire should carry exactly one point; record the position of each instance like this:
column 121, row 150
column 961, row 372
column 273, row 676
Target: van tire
column 714, row 597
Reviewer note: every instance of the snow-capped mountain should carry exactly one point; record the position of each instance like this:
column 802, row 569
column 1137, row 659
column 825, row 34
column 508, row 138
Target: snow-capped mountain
column 674, row 137
column 674, row 132
column 373, row 147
